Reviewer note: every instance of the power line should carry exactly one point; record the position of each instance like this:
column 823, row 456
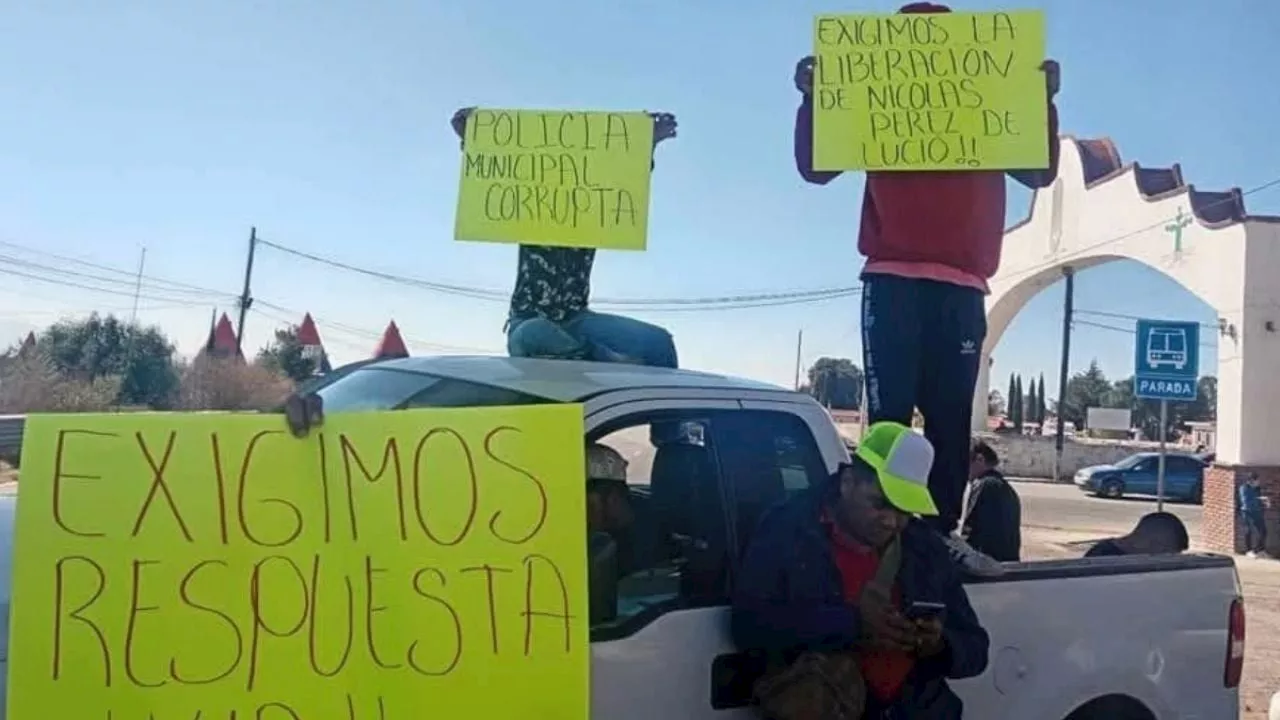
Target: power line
column 132, row 275
column 106, row 291
column 737, row 301
column 122, row 283
column 285, row 313
column 1128, row 331
column 1135, row 318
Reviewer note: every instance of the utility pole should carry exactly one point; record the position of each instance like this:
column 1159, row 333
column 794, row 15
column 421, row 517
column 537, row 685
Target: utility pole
column 246, row 298
column 1068, row 308
column 799, row 345
column 137, row 289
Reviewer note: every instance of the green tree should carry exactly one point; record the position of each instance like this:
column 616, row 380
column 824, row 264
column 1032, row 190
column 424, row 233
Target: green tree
column 1018, row 404
column 1029, row 404
column 99, row 347
column 287, row 357
column 836, row 383
column 1084, row 390
column 1041, row 404
column 1011, row 399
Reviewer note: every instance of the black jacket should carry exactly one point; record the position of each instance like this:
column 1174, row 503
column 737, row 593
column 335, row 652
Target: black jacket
column 993, row 518
column 789, row 596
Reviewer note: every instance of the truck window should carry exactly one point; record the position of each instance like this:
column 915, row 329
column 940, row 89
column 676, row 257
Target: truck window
column 674, row 554
column 375, row 388
column 767, row 457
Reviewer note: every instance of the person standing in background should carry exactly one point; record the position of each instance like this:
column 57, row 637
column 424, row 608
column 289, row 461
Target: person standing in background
column 932, row 240
column 549, row 315
column 1251, row 505
column 992, row 521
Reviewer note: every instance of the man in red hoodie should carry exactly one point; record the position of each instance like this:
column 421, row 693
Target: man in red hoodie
column 932, row 240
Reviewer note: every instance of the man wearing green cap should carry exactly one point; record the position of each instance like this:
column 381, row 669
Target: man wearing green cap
column 847, row 570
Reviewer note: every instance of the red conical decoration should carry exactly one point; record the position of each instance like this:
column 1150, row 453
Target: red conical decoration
column 307, row 333
column 391, row 345
column 222, row 340
column 312, row 347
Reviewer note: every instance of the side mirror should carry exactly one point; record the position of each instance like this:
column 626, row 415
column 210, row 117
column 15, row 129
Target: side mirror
column 303, row 412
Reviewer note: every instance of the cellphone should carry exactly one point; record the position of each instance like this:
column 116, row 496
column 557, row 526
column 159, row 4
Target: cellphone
column 920, row 610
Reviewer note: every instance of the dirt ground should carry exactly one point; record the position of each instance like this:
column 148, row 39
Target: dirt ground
column 1261, row 582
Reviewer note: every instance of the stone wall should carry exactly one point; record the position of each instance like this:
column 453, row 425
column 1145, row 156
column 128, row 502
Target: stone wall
column 1222, row 530
column 1032, row 456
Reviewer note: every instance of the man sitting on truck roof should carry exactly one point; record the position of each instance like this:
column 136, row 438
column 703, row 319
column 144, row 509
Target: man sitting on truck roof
column 549, row 315
column 899, row 623
column 1158, row 533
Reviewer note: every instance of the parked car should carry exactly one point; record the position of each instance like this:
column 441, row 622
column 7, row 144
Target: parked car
column 1138, row 475
column 667, row 653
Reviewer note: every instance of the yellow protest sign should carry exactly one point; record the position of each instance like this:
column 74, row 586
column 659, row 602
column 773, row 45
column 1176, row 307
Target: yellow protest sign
column 939, row 91
column 569, row 179
column 391, row 566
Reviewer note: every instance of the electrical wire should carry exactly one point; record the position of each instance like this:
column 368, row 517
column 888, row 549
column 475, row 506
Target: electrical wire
column 106, row 291
column 739, row 301
column 736, row 301
column 1135, row 318
column 358, row 331
column 131, row 276
column 1129, row 331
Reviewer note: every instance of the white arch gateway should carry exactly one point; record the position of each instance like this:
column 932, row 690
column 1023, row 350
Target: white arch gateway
column 1100, row 210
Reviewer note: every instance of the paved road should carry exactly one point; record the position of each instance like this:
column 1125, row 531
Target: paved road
column 1063, row 507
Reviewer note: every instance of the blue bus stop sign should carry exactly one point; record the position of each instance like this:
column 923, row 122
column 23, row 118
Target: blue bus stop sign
column 1166, row 362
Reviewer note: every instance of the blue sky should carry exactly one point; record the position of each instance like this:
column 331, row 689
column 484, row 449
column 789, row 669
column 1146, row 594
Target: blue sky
column 177, row 126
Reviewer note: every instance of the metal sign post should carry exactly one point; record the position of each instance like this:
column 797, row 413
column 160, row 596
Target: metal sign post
column 1166, row 366
column 1164, row 423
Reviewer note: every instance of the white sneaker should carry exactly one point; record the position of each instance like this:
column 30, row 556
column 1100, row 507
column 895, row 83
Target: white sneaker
column 971, row 560
column 1251, row 554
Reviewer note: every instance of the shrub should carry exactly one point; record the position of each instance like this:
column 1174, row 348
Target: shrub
column 230, row 384
column 31, row 384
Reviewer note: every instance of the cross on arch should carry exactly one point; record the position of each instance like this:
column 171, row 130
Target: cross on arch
column 1180, row 221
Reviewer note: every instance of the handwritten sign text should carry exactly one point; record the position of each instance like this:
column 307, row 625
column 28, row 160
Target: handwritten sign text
column 389, row 567
column 569, row 179
column 942, row 91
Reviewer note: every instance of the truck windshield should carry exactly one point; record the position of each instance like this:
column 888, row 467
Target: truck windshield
column 373, row 388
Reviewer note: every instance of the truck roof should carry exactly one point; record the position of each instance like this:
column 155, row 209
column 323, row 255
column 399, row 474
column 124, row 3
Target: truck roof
column 565, row 380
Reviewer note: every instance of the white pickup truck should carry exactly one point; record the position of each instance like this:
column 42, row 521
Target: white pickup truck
column 1100, row 639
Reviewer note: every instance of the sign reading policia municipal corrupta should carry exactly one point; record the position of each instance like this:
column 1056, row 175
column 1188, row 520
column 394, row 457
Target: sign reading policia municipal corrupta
column 938, row 91
column 568, row 179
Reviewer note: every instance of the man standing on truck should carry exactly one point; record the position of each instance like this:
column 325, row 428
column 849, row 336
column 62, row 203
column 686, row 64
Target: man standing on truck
column 932, row 240
column 549, row 315
column 992, row 521
column 845, row 571
column 1251, row 505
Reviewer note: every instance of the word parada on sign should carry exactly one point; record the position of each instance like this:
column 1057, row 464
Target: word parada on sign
column 391, row 566
column 938, row 91
column 568, row 179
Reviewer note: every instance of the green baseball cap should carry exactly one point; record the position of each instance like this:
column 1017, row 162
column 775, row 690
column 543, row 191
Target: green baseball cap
column 901, row 458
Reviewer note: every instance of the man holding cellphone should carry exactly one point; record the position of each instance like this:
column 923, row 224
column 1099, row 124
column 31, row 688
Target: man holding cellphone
column 899, row 617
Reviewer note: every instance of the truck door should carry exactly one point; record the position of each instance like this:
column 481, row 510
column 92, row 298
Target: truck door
column 667, row 651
